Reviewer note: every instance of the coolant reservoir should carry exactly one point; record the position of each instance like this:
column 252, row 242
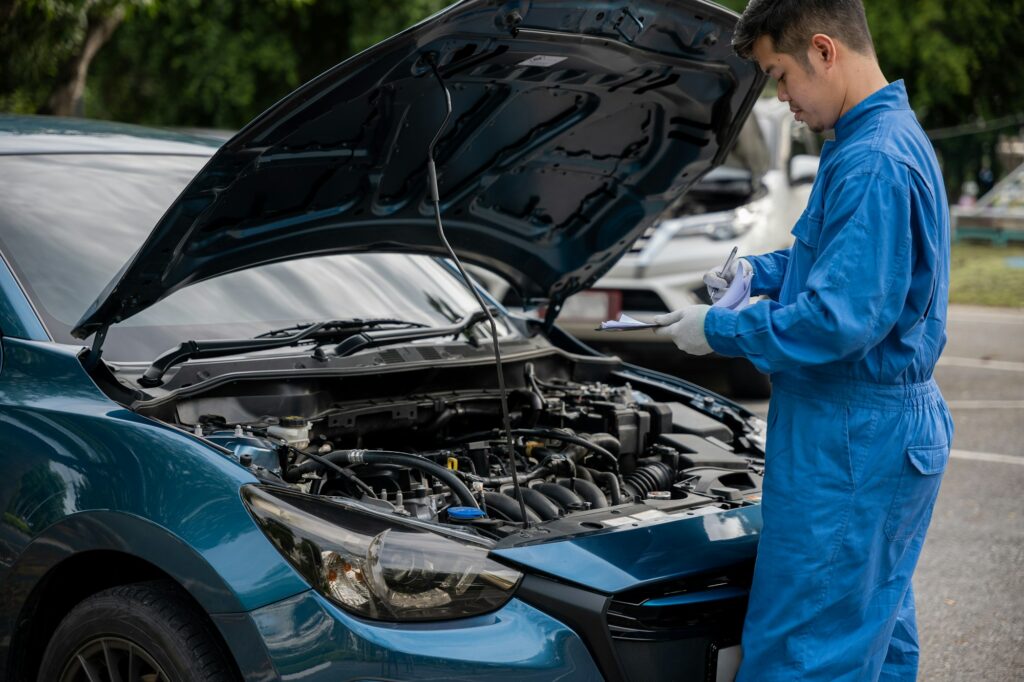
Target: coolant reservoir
column 292, row 430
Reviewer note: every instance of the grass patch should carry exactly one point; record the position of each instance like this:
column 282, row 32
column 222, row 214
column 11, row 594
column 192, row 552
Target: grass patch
column 980, row 275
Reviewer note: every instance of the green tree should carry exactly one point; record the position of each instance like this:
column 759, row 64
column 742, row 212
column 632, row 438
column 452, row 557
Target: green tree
column 219, row 63
column 47, row 46
column 961, row 60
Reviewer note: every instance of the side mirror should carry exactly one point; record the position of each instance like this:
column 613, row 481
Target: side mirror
column 803, row 168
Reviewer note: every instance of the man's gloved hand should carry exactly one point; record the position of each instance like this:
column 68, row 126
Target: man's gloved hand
column 718, row 281
column 686, row 327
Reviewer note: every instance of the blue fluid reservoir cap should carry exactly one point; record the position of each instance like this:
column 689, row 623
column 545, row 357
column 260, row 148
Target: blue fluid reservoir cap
column 465, row 513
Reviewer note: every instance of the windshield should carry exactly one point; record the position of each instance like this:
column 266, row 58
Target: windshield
column 68, row 223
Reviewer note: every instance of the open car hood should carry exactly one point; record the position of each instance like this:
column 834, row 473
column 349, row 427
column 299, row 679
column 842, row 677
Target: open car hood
column 575, row 125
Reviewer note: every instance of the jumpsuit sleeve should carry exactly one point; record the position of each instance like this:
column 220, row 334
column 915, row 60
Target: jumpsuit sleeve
column 855, row 288
column 769, row 269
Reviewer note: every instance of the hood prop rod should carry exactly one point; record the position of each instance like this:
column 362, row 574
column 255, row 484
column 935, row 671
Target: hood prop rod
column 435, row 199
column 96, row 352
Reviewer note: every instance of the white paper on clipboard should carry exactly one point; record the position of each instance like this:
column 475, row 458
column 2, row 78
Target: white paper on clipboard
column 625, row 323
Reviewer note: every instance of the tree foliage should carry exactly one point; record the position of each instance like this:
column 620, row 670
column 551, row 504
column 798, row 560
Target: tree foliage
column 46, row 44
column 219, row 63
column 961, row 60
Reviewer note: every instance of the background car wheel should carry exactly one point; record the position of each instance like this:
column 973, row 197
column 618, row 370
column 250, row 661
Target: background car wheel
column 746, row 382
column 143, row 632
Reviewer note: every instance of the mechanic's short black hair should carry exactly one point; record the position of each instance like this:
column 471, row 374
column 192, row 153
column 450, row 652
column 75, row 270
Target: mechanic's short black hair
column 791, row 23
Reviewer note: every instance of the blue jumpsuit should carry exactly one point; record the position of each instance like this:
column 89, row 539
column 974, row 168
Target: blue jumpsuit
column 858, row 433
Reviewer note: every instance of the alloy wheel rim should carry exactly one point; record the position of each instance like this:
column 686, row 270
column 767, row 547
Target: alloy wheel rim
column 112, row 659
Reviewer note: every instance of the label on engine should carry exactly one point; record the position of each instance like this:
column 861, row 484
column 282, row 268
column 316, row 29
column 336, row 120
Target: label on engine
column 541, row 60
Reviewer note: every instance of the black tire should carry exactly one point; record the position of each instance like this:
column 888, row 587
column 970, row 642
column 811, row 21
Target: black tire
column 746, row 382
column 152, row 627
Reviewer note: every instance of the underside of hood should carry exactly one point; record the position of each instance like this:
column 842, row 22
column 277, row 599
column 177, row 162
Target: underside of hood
column 575, row 125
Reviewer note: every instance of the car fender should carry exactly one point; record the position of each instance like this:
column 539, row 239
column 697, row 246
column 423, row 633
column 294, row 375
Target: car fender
column 73, row 456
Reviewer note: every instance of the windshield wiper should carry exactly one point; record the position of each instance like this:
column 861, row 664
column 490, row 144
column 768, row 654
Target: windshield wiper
column 363, row 340
column 275, row 338
column 354, row 323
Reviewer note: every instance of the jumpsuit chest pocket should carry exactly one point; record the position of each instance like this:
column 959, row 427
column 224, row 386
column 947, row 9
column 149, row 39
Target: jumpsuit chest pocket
column 808, row 230
column 803, row 253
column 916, row 489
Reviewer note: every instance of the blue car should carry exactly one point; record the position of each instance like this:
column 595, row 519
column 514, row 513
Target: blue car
column 254, row 424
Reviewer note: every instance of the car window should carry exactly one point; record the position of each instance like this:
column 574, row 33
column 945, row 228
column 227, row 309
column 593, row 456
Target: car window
column 68, row 223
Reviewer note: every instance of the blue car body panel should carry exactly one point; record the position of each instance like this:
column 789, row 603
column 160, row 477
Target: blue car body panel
column 309, row 637
column 72, row 453
column 646, row 551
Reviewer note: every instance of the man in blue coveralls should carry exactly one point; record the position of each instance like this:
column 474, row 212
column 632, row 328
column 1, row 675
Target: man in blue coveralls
column 858, row 433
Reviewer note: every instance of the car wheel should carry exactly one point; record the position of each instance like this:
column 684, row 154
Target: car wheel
column 143, row 632
column 746, row 382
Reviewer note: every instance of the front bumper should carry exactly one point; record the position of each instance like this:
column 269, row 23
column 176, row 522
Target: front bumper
column 308, row 638
column 639, row 621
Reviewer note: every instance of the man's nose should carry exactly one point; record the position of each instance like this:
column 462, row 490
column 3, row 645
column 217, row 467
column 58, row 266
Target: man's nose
column 781, row 92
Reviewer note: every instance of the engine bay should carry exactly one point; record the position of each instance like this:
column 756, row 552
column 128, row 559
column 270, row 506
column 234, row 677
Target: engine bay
column 584, row 441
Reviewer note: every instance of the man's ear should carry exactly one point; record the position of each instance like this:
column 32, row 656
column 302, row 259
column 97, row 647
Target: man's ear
column 823, row 50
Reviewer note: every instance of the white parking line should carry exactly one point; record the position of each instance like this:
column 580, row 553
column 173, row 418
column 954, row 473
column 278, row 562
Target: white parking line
column 986, row 457
column 977, row 363
column 971, row 315
column 985, row 404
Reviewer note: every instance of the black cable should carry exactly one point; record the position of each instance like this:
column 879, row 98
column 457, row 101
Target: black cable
column 296, row 473
column 435, row 198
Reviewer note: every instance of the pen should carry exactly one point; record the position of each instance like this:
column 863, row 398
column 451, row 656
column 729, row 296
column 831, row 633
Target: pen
column 728, row 262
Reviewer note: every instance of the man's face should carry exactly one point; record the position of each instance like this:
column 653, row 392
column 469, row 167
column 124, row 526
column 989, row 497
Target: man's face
column 810, row 90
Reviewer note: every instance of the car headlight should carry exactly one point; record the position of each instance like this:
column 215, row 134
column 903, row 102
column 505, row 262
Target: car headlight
column 376, row 567
column 724, row 225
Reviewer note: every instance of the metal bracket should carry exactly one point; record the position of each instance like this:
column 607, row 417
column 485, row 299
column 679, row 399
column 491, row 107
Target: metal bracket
column 629, row 25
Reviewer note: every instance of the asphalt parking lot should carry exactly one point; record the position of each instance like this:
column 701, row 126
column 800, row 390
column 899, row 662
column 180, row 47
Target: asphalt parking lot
column 970, row 580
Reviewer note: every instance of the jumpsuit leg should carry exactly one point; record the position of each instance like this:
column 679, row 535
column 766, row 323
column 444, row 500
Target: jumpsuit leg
column 901, row 659
column 848, row 492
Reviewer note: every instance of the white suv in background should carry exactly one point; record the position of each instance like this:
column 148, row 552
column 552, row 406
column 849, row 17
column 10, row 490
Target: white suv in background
column 752, row 201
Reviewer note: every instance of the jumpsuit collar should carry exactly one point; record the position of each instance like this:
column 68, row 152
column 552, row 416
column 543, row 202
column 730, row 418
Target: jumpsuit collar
column 892, row 97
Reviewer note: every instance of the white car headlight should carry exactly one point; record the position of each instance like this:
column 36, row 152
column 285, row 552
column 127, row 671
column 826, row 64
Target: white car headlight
column 724, row 225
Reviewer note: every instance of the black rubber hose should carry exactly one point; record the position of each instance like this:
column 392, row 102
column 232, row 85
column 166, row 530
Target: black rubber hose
column 552, row 434
column 449, row 413
column 606, row 441
column 343, row 457
column 495, row 481
column 536, row 405
column 648, row 478
column 610, row 481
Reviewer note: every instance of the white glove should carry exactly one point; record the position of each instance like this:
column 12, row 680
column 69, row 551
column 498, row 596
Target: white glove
column 686, row 327
column 718, row 282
